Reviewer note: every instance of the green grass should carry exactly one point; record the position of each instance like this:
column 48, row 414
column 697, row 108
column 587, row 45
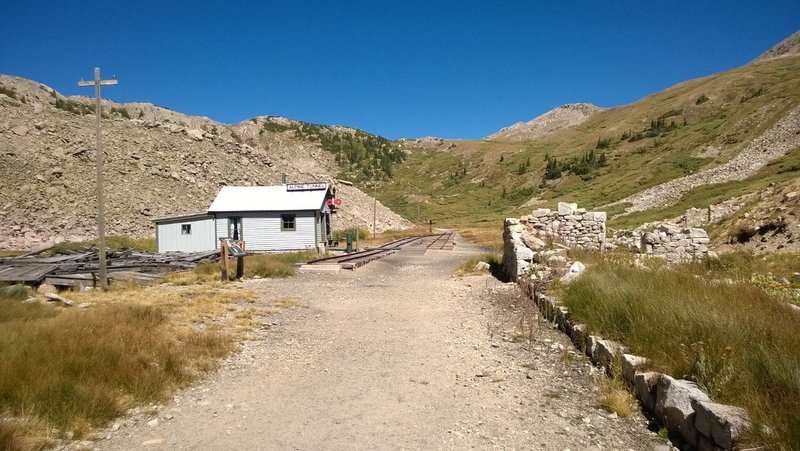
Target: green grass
column 112, row 242
column 73, row 107
column 494, row 260
column 66, row 371
column 360, row 232
column 614, row 395
column 275, row 265
column 703, row 323
column 17, row 292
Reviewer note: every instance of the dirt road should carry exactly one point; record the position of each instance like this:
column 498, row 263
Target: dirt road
column 399, row 354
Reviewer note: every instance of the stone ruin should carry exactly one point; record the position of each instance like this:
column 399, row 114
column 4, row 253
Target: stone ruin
column 698, row 217
column 572, row 225
column 675, row 244
column 525, row 238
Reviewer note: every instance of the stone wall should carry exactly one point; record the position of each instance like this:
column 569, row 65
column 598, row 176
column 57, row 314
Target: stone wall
column 674, row 243
column 698, row 217
column 572, row 225
column 524, row 238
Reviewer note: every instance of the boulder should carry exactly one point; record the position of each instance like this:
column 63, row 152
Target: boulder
column 723, row 424
column 645, row 386
column 575, row 270
column 532, row 242
column 606, row 351
column 20, row 130
column 566, row 208
column 674, row 399
column 670, row 229
column 46, row 288
column 697, row 233
column 578, row 336
column 630, row 365
column 523, row 253
column 482, row 266
column 195, row 134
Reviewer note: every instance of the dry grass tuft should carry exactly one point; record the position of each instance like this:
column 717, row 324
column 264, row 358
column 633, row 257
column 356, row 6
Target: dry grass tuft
column 490, row 237
column 614, row 395
column 74, row 369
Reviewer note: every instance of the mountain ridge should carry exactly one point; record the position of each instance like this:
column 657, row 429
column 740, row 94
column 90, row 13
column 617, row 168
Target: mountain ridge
column 563, row 116
column 158, row 163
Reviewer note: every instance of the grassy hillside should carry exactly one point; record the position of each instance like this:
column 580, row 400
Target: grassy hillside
column 620, row 151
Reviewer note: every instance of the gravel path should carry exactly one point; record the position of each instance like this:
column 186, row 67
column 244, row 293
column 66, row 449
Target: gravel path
column 399, row 354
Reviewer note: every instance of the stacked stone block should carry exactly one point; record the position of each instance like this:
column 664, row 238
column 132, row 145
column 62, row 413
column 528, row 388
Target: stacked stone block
column 674, row 243
column 524, row 238
column 570, row 224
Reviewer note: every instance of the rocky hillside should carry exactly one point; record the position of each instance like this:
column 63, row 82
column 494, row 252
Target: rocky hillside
column 788, row 47
column 568, row 115
column 158, row 163
column 775, row 142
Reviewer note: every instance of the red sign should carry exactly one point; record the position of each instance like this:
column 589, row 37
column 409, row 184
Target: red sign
column 338, row 202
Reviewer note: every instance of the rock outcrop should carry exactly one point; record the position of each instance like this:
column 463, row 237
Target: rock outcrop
column 568, row 115
column 787, row 47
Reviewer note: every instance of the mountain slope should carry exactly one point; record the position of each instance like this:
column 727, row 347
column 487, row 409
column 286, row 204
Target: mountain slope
column 696, row 126
column 158, row 163
column 564, row 116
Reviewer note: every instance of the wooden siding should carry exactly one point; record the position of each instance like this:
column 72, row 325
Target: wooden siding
column 169, row 236
column 261, row 231
column 318, row 227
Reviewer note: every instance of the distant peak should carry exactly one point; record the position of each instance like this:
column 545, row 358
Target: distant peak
column 568, row 115
column 788, row 47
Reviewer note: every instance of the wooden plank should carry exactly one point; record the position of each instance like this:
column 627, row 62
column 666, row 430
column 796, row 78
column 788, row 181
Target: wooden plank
column 25, row 273
column 69, row 281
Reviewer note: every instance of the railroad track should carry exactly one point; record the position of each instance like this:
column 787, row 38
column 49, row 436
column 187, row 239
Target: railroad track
column 361, row 258
column 444, row 242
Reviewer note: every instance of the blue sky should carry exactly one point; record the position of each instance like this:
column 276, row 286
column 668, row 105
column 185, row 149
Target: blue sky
column 455, row 69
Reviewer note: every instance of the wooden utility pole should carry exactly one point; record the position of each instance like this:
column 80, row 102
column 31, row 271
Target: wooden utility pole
column 374, row 209
column 101, row 222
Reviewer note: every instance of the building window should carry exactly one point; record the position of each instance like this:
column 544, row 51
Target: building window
column 186, row 229
column 287, row 222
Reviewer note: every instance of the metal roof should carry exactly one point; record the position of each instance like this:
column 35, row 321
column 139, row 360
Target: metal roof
column 267, row 198
column 181, row 218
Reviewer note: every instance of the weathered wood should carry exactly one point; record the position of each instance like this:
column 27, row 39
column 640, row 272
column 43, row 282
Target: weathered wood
column 33, row 269
column 55, row 297
column 26, row 273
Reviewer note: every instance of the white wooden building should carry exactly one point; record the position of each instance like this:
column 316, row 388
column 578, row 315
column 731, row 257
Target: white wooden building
column 188, row 233
column 267, row 218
